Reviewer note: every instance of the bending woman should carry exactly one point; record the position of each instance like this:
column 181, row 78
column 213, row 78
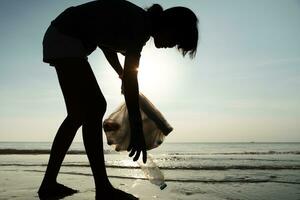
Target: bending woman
column 115, row 26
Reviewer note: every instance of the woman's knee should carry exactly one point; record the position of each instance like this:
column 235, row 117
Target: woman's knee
column 75, row 119
column 96, row 111
column 90, row 109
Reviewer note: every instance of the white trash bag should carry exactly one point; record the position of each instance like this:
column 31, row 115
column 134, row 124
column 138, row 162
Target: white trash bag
column 117, row 128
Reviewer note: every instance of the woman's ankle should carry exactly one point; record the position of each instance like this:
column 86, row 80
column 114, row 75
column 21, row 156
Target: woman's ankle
column 48, row 182
column 105, row 187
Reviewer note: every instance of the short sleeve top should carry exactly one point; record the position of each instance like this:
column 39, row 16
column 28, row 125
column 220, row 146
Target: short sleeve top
column 117, row 25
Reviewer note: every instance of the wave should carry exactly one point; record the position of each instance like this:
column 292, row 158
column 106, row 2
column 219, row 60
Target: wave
column 44, row 151
column 208, row 167
column 232, row 180
column 239, row 153
column 184, row 158
column 106, row 151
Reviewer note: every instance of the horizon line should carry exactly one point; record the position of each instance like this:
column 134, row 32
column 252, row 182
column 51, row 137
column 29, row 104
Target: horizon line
column 172, row 142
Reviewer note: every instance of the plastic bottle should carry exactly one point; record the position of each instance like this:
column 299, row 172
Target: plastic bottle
column 153, row 173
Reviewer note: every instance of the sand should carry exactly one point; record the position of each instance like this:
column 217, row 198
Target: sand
column 19, row 184
column 21, row 175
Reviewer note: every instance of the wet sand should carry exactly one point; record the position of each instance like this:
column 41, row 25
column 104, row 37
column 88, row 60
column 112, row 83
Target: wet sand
column 19, row 184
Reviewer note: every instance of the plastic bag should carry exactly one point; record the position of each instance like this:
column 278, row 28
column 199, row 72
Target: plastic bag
column 155, row 126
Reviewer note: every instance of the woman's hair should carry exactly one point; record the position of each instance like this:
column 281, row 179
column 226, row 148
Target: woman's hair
column 184, row 24
column 155, row 12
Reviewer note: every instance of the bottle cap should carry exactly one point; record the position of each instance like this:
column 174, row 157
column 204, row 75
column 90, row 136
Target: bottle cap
column 163, row 186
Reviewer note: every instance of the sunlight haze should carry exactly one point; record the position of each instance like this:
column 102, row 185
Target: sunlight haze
column 242, row 86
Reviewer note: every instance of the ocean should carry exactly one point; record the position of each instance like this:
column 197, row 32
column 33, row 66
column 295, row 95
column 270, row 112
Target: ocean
column 229, row 170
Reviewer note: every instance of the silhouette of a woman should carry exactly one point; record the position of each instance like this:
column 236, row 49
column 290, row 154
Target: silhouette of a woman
column 115, row 26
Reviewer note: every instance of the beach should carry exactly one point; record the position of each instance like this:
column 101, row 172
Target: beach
column 192, row 171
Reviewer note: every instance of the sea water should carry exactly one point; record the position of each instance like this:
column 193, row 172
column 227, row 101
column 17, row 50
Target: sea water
column 191, row 167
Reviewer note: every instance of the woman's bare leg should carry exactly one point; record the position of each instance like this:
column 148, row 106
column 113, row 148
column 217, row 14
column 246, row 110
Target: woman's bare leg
column 92, row 138
column 60, row 146
column 95, row 107
column 85, row 106
column 63, row 139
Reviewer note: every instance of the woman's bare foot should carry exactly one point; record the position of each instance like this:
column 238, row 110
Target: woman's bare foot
column 55, row 191
column 116, row 194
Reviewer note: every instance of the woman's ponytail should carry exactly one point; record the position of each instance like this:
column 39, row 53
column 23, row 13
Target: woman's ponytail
column 155, row 12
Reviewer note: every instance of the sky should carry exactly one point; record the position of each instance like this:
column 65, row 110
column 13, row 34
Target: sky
column 242, row 86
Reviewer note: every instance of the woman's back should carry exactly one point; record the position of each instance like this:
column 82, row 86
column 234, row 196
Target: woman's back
column 112, row 24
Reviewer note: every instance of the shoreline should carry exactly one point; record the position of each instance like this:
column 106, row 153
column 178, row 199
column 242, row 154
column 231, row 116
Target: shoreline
column 27, row 184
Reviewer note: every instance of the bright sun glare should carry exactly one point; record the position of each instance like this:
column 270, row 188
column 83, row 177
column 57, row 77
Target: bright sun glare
column 155, row 73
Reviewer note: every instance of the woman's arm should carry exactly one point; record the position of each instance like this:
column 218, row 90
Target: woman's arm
column 113, row 60
column 131, row 93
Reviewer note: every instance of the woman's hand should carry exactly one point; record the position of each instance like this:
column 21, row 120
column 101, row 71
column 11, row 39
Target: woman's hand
column 137, row 145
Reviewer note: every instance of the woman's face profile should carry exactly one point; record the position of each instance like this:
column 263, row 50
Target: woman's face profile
column 165, row 38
